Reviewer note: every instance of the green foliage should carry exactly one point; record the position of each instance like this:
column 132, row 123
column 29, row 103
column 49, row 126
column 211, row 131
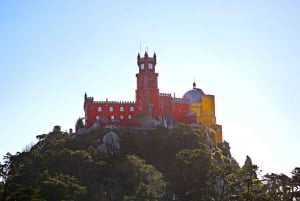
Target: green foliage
column 153, row 165
column 59, row 187
column 192, row 179
column 24, row 193
column 149, row 183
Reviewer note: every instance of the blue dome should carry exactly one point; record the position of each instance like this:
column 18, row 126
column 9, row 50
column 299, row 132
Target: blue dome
column 194, row 95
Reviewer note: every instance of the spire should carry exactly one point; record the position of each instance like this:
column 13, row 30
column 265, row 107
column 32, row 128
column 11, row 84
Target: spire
column 146, row 54
column 138, row 59
column 194, row 85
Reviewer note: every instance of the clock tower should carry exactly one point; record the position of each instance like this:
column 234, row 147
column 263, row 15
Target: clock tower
column 147, row 92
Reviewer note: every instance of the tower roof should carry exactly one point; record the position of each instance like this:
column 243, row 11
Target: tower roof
column 146, row 59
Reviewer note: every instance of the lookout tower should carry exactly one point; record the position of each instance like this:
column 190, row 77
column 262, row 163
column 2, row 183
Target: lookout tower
column 147, row 92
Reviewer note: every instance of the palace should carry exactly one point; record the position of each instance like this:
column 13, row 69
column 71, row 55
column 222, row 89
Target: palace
column 151, row 107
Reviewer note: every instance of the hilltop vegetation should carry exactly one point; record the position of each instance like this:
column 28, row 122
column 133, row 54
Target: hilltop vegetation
column 152, row 164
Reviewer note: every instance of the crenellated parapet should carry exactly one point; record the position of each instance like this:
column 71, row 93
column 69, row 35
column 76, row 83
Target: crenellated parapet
column 146, row 59
column 89, row 99
column 165, row 94
column 115, row 102
column 181, row 100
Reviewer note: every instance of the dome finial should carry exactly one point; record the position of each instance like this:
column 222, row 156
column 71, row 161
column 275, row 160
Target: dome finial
column 194, row 84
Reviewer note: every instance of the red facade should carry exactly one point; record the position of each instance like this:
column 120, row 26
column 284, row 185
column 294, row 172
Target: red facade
column 149, row 102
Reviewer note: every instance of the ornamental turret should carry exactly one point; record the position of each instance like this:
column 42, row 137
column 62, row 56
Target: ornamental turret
column 147, row 91
column 146, row 63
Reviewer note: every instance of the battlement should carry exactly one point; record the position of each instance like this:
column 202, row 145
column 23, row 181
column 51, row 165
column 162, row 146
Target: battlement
column 114, row 102
column 89, row 99
column 165, row 94
column 181, row 100
column 146, row 59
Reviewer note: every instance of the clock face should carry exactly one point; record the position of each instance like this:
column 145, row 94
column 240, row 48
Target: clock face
column 142, row 66
column 150, row 66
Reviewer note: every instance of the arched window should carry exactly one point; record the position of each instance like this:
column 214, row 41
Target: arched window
column 99, row 109
column 131, row 109
column 121, row 117
column 129, row 116
column 121, row 109
column 112, row 117
column 111, row 109
column 150, row 66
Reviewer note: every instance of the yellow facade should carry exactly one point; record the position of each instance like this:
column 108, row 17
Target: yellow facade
column 205, row 114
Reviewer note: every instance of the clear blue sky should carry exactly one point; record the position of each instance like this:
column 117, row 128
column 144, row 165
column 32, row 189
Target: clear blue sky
column 246, row 53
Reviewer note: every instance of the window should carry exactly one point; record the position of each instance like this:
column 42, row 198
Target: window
column 131, row 109
column 97, row 118
column 112, row 117
column 129, row 116
column 142, row 66
column 121, row 109
column 111, row 108
column 121, row 117
column 99, row 109
column 150, row 66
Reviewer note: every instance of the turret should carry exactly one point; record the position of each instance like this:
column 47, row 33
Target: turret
column 147, row 90
column 146, row 63
column 138, row 58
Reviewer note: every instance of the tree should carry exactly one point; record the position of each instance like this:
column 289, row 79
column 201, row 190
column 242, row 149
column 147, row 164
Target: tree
column 192, row 179
column 60, row 187
column 254, row 187
column 278, row 186
column 24, row 193
column 81, row 159
column 150, row 184
column 228, row 183
column 4, row 168
column 296, row 183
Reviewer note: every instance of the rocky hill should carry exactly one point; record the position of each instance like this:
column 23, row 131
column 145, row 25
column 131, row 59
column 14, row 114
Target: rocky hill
column 133, row 164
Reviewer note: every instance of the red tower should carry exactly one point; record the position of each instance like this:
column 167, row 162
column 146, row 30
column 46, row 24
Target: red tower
column 147, row 92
